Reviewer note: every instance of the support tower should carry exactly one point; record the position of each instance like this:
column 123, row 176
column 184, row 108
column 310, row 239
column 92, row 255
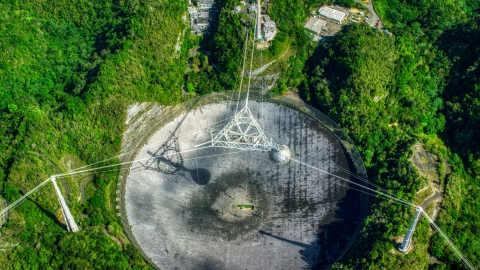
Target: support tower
column 71, row 225
column 407, row 241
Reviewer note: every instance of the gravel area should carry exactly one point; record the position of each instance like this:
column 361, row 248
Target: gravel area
column 424, row 160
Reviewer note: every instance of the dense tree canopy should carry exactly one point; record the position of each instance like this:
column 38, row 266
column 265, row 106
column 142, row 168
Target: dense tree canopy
column 387, row 92
column 68, row 70
column 462, row 110
column 353, row 79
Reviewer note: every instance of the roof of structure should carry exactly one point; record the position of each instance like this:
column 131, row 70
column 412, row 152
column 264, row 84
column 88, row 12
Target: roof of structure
column 203, row 15
column 315, row 24
column 332, row 13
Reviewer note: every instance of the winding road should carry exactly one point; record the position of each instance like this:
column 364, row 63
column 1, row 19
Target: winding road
column 83, row 187
column 437, row 195
column 373, row 15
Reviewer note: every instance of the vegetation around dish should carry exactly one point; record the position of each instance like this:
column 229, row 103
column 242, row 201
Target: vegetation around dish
column 422, row 80
column 68, row 71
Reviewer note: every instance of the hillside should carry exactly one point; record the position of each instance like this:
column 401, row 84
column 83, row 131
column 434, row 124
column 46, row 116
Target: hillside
column 420, row 85
column 68, row 72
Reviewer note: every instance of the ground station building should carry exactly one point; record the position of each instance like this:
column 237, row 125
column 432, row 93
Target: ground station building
column 332, row 14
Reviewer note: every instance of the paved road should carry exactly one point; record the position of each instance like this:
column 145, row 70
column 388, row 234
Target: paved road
column 83, row 187
column 373, row 15
column 437, row 195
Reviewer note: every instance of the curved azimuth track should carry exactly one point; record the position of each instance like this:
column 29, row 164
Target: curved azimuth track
column 196, row 196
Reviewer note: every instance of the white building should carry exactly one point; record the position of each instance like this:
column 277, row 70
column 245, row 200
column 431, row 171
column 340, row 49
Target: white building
column 332, row 14
column 315, row 25
column 193, row 13
column 200, row 18
column 205, row 4
column 203, row 19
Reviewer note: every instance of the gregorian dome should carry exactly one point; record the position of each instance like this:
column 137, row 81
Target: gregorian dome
column 281, row 155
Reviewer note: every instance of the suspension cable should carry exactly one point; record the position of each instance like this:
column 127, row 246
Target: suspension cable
column 393, row 197
column 455, row 250
column 243, row 69
column 251, row 62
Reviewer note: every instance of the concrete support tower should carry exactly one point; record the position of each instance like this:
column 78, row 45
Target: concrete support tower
column 71, row 225
column 407, row 241
column 258, row 36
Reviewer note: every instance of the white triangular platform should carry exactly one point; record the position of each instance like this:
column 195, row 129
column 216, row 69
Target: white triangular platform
column 242, row 132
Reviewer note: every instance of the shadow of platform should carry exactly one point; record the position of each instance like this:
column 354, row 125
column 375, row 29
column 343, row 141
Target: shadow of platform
column 168, row 159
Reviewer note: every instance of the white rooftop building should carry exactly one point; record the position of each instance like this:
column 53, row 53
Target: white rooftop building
column 205, row 4
column 315, row 25
column 332, row 14
column 203, row 19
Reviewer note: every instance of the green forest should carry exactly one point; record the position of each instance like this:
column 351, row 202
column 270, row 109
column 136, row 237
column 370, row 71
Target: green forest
column 69, row 70
column 425, row 80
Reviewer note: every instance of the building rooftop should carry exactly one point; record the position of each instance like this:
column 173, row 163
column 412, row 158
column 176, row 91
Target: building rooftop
column 200, row 19
column 202, row 22
column 332, row 14
column 203, row 14
column 315, row 25
column 205, row 4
